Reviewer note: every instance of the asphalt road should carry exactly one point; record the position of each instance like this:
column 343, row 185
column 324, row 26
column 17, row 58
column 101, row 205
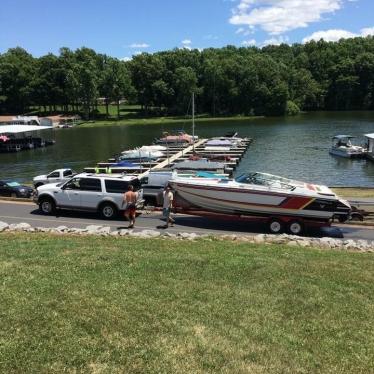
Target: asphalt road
column 16, row 212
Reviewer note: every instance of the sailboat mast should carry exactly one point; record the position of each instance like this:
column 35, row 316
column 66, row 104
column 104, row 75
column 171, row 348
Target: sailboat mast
column 193, row 122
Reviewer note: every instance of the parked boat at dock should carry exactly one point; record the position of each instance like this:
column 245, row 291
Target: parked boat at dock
column 140, row 154
column 370, row 146
column 200, row 165
column 343, row 147
column 262, row 194
column 180, row 138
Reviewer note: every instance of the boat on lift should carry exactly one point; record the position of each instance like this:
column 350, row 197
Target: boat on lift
column 262, row 194
column 343, row 147
column 140, row 155
column 176, row 139
column 200, row 165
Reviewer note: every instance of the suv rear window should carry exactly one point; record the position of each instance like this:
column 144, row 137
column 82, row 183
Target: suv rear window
column 113, row 186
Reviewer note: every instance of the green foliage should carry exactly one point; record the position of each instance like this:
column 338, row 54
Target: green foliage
column 226, row 81
column 292, row 109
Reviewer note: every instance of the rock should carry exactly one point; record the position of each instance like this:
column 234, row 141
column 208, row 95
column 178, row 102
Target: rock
column 187, row 235
column 327, row 242
column 98, row 230
column 3, row 226
column 168, row 235
column 292, row 244
column 151, row 233
column 350, row 244
column 363, row 244
column 124, row 232
column 77, row 231
column 259, row 239
column 114, row 233
column 19, row 226
column 104, row 230
column 303, row 243
column 61, row 228
column 93, row 228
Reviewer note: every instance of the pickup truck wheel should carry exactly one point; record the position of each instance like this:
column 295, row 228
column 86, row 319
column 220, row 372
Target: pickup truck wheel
column 47, row 206
column 108, row 210
column 275, row 226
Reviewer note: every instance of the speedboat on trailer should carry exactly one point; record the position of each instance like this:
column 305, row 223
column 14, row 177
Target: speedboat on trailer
column 343, row 147
column 262, row 195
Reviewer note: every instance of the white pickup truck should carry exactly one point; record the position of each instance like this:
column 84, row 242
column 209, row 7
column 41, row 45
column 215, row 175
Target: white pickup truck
column 56, row 176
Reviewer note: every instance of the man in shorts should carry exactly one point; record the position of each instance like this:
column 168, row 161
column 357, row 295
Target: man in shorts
column 129, row 200
column 168, row 204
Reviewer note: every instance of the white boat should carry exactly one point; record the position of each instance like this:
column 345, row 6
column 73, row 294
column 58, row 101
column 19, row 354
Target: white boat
column 343, row 147
column 153, row 148
column 262, row 194
column 141, row 154
column 200, row 165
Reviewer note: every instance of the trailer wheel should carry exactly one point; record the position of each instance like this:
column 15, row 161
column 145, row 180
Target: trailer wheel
column 343, row 218
column 295, row 228
column 355, row 216
column 275, row 226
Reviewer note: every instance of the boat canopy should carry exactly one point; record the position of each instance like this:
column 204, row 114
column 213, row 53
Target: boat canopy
column 340, row 137
column 17, row 129
column 201, row 165
column 369, row 136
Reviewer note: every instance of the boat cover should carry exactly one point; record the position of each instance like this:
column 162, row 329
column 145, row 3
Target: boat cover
column 199, row 165
column 219, row 143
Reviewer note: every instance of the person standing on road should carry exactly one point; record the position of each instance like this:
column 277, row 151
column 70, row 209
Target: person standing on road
column 129, row 200
column 168, row 204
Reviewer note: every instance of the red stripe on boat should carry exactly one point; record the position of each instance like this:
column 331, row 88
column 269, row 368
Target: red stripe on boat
column 296, row 202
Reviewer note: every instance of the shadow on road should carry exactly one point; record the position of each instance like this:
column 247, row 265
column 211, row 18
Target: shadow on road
column 199, row 224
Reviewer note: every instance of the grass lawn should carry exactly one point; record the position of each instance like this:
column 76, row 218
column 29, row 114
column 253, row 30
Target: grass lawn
column 161, row 120
column 130, row 305
column 354, row 192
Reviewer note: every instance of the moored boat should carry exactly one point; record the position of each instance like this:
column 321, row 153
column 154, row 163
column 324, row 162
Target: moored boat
column 343, row 147
column 139, row 154
column 180, row 138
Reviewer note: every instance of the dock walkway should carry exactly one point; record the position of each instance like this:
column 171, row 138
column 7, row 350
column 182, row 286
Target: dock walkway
column 178, row 153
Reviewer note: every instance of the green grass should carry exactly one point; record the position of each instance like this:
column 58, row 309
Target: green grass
column 162, row 120
column 111, row 305
column 132, row 115
column 355, row 192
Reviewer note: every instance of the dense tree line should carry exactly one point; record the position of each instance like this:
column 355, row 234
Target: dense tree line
column 273, row 80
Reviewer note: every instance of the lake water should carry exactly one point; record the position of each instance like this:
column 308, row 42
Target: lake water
column 295, row 147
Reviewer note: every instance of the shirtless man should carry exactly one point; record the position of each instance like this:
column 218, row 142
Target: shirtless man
column 129, row 200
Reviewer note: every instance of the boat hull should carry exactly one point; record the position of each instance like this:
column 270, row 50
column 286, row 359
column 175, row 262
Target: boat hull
column 231, row 201
column 347, row 154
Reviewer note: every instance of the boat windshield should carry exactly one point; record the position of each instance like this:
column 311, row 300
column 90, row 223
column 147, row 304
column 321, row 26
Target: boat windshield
column 262, row 179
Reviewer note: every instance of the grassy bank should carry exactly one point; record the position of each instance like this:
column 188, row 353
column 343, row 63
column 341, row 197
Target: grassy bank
column 355, row 192
column 162, row 120
column 131, row 305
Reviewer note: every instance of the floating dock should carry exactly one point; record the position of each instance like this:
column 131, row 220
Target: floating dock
column 230, row 158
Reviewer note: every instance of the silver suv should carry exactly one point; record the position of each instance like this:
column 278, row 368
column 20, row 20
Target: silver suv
column 88, row 192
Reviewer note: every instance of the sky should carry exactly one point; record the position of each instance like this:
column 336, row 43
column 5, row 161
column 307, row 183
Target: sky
column 124, row 28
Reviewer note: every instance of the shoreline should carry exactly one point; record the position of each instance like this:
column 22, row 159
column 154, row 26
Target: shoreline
column 163, row 120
